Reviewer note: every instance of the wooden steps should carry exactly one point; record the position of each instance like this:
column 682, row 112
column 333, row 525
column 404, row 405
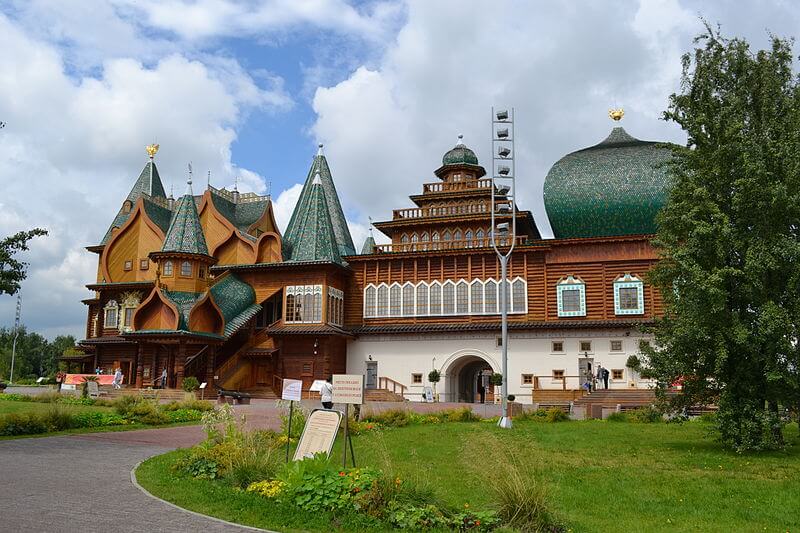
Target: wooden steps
column 613, row 397
column 382, row 395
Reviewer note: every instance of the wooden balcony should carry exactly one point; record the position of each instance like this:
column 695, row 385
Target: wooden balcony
column 448, row 186
column 446, row 211
column 427, row 246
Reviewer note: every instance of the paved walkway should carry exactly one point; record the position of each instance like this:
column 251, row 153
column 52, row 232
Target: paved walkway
column 82, row 483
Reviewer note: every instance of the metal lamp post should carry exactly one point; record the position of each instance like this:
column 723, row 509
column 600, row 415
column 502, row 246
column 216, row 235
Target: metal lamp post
column 503, row 234
column 16, row 334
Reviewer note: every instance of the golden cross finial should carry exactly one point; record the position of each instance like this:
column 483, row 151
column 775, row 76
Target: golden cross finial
column 152, row 150
column 616, row 114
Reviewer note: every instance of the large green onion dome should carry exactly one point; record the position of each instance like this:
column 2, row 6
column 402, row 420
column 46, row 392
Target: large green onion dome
column 613, row 188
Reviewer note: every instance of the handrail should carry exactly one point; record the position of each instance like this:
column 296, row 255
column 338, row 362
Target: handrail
column 445, row 186
column 563, row 379
column 423, row 246
column 192, row 359
column 383, row 383
column 470, row 208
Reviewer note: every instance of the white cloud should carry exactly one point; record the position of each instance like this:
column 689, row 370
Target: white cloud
column 284, row 204
column 74, row 145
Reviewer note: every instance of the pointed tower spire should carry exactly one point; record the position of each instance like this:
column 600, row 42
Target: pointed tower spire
column 313, row 237
column 185, row 234
column 320, row 172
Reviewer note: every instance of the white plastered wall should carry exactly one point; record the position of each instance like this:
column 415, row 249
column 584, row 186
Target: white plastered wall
column 400, row 356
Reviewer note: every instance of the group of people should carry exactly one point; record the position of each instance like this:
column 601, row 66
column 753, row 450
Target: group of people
column 118, row 377
column 593, row 381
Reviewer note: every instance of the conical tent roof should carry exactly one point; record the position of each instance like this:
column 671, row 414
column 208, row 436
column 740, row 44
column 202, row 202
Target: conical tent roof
column 185, row 234
column 311, row 237
column 149, row 184
column 344, row 242
column 369, row 246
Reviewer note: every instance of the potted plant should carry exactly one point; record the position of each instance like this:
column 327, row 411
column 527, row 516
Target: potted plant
column 190, row 384
column 434, row 376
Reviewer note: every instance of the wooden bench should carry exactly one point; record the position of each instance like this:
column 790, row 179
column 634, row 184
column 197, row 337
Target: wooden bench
column 232, row 396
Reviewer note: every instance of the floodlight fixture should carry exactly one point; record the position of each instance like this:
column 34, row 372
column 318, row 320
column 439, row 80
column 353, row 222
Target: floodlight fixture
column 502, row 115
column 503, row 190
column 503, row 208
column 503, row 151
column 503, row 170
column 502, row 134
column 502, row 228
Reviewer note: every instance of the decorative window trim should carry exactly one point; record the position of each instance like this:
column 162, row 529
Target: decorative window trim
column 168, row 269
column 335, row 306
column 306, row 304
column 184, row 269
column 421, row 305
column 144, row 264
column 127, row 266
column 130, row 301
column 628, row 281
column 111, row 306
column 571, row 283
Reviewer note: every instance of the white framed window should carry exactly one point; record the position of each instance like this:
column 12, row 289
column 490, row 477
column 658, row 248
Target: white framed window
column 558, row 347
column 369, row 301
column 303, row 304
column 571, row 297
column 628, row 295
column 448, row 298
column 468, row 239
column 435, row 307
column 422, row 299
column 382, row 306
column 111, row 311
column 395, row 300
column 186, row 269
column 408, row 299
column 462, row 298
column 490, row 297
column 167, row 268
column 519, row 296
column 615, row 346
column 476, row 297
column 585, row 346
column 130, row 301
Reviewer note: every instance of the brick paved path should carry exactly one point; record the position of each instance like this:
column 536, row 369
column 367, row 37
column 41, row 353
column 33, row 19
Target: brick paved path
column 82, row 483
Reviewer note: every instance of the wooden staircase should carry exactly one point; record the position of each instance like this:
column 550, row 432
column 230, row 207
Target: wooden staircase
column 382, row 395
column 625, row 398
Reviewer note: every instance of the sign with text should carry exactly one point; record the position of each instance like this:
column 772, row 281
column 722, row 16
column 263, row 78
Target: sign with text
column 428, row 394
column 319, row 433
column 292, row 390
column 348, row 388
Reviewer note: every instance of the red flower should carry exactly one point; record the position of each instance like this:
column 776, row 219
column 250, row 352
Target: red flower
column 342, row 474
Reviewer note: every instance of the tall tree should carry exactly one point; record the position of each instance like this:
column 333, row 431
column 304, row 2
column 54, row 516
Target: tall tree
column 12, row 271
column 729, row 238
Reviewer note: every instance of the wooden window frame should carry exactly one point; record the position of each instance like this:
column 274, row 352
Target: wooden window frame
column 144, row 264
column 127, row 266
column 416, row 378
column 526, row 380
column 169, row 269
column 553, row 347
column 611, row 346
column 182, row 270
column 558, row 374
column 618, row 374
column 580, row 347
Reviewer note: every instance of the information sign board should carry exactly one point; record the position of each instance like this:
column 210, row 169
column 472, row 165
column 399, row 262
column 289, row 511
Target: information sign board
column 319, row 433
column 348, row 388
column 317, row 385
column 428, row 394
column 292, row 390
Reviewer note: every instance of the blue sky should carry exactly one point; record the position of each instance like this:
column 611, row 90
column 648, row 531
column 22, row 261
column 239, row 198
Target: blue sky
column 247, row 88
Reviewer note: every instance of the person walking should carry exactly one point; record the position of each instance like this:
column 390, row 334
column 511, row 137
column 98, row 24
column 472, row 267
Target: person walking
column 599, row 374
column 164, row 378
column 117, row 382
column 326, row 394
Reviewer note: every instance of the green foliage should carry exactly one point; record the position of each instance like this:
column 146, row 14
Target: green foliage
column 617, row 417
column 201, row 463
column 434, row 376
column 645, row 415
column 299, row 416
column 192, row 404
column 552, row 415
column 729, row 240
column 54, row 419
column 190, row 384
column 36, row 356
column 12, row 271
column 496, row 379
column 402, row 418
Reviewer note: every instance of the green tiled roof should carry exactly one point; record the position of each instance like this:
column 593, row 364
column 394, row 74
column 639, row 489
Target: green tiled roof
column 185, row 233
column 241, row 319
column 242, row 215
column 148, row 184
column 613, row 188
column 310, row 235
column 369, row 246
column 337, row 222
column 460, row 155
column 184, row 301
column 158, row 214
column 232, row 296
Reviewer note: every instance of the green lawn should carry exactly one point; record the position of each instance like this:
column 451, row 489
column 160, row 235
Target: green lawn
column 601, row 476
column 28, row 407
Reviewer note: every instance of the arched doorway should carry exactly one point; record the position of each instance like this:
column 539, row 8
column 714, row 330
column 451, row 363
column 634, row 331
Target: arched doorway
column 467, row 378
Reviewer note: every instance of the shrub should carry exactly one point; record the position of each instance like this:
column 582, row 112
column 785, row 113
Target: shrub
column 617, row 417
column 708, row 418
column 15, row 398
column 645, row 415
column 462, row 414
column 182, row 415
column 390, row 418
column 200, row 463
column 555, row 414
column 267, row 489
column 522, row 501
column 298, row 419
column 190, row 384
column 496, row 379
column 191, row 404
column 417, row 517
column 93, row 419
column 434, row 376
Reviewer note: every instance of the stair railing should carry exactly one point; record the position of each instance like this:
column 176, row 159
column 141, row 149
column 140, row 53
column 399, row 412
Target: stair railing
column 384, row 383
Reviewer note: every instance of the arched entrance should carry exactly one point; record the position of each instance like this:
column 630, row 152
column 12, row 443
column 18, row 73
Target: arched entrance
column 466, row 378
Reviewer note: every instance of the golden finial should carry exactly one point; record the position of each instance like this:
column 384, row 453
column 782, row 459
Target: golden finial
column 616, row 114
column 152, row 150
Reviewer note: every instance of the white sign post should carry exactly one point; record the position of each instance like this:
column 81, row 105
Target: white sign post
column 203, row 386
column 292, row 391
column 348, row 389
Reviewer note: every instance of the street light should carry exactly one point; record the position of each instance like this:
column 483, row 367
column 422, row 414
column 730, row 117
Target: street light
column 503, row 234
column 16, row 334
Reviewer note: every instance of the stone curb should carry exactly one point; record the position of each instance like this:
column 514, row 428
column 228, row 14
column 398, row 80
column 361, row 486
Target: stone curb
column 214, row 519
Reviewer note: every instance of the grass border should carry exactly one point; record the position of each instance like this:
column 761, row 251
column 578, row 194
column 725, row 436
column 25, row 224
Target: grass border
column 136, row 484
column 98, row 429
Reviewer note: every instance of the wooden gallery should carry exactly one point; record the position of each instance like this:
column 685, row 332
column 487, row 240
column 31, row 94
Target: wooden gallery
column 206, row 286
